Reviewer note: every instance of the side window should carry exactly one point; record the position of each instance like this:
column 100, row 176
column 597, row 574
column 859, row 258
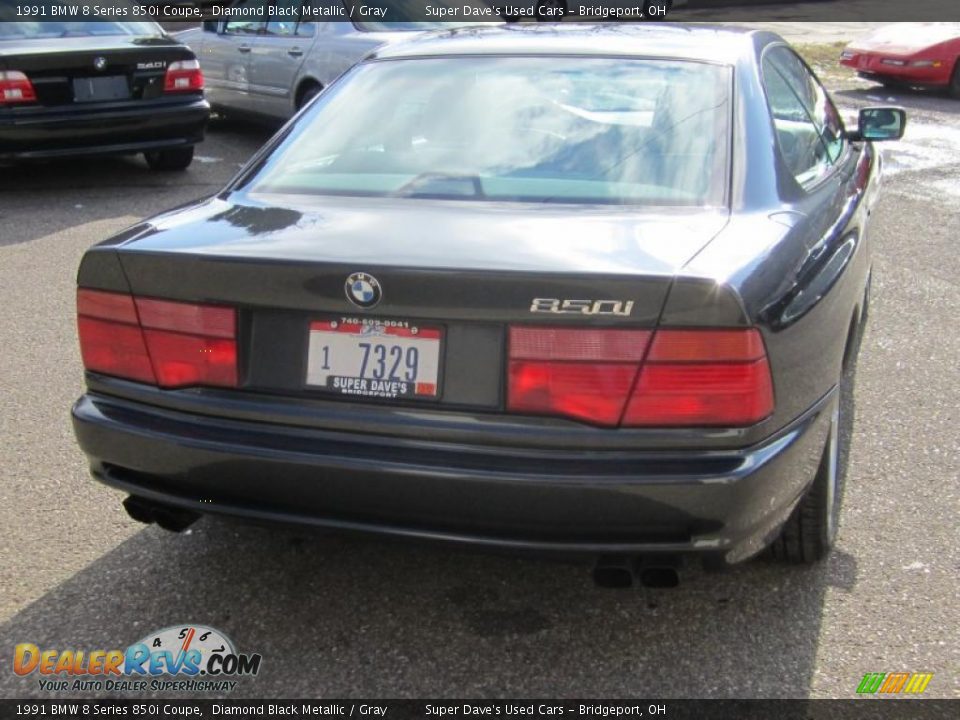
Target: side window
column 809, row 129
column 247, row 27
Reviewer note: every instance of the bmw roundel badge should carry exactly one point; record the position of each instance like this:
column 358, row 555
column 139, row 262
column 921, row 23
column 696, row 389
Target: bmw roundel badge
column 363, row 290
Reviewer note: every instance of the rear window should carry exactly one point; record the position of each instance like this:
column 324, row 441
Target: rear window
column 528, row 129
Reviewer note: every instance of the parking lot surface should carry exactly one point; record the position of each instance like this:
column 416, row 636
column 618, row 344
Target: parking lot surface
column 346, row 616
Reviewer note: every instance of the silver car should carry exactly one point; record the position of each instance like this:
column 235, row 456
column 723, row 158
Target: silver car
column 263, row 58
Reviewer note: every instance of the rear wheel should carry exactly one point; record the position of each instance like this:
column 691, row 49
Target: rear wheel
column 811, row 531
column 170, row 159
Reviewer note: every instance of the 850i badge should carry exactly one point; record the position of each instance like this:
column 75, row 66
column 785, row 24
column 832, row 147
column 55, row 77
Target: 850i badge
column 622, row 308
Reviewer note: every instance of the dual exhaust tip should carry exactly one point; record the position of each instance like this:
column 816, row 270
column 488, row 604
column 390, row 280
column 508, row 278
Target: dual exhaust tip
column 168, row 517
column 621, row 573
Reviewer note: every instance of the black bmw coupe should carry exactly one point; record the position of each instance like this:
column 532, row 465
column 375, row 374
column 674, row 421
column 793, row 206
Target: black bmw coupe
column 98, row 87
column 592, row 290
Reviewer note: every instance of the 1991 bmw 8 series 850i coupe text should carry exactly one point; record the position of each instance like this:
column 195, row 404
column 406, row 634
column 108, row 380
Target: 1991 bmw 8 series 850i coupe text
column 591, row 290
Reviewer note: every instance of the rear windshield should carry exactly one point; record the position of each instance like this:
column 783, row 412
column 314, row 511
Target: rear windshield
column 52, row 29
column 527, row 129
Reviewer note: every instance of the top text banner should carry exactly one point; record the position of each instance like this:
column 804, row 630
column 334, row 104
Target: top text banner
column 474, row 11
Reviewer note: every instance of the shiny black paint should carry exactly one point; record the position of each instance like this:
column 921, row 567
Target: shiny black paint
column 792, row 262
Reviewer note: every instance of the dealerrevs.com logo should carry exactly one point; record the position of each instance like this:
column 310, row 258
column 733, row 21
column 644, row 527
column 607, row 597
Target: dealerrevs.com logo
column 182, row 658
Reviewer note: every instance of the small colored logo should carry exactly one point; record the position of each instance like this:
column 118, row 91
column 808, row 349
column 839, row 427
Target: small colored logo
column 894, row 683
column 197, row 657
column 100, row 63
column 363, row 290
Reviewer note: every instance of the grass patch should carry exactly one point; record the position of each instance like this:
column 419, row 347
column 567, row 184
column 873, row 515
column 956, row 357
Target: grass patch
column 822, row 57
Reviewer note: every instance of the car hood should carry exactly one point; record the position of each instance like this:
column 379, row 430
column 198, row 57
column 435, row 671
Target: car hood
column 906, row 38
column 436, row 233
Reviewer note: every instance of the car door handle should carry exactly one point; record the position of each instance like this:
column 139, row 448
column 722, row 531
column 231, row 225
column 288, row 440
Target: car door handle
column 294, row 52
column 244, row 48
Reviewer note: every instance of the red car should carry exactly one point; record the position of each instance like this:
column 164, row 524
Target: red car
column 901, row 54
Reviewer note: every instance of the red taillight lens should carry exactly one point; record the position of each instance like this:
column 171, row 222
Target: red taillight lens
column 181, row 360
column 586, row 374
column 113, row 348
column 689, row 377
column 183, row 76
column 15, row 87
column 703, row 377
column 589, row 391
column 165, row 343
column 726, row 394
column 706, row 346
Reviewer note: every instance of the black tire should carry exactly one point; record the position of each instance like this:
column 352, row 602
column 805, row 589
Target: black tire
column 171, row 159
column 810, row 533
column 891, row 84
column 307, row 93
column 955, row 81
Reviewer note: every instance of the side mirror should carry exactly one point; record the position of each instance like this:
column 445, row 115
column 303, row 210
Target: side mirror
column 211, row 26
column 881, row 123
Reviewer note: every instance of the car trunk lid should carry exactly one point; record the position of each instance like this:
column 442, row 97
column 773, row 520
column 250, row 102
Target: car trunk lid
column 466, row 271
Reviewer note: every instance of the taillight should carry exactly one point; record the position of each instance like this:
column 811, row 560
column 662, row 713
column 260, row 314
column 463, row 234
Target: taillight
column 165, row 343
column 607, row 377
column 110, row 338
column 585, row 374
column 15, row 87
column 703, row 377
column 183, row 76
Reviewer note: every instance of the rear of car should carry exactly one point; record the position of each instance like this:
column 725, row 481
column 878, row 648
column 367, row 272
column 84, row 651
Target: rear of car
column 81, row 88
column 482, row 321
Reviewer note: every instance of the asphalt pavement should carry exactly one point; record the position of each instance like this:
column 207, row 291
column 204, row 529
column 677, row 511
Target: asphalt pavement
column 349, row 616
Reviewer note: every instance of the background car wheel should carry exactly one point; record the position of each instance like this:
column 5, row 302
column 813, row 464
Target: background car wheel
column 306, row 94
column 170, row 159
column 890, row 84
column 809, row 534
column 955, row 81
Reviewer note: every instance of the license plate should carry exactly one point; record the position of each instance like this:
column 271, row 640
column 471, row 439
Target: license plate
column 390, row 359
column 94, row 89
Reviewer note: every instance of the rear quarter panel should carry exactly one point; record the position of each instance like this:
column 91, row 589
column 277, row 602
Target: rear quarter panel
column 797, row 259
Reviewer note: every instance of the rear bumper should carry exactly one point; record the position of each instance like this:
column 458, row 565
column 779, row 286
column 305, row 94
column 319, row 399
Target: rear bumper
column 32, row 132
column 727, row 502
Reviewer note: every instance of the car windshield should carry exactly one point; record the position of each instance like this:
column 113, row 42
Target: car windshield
column 527, row 129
